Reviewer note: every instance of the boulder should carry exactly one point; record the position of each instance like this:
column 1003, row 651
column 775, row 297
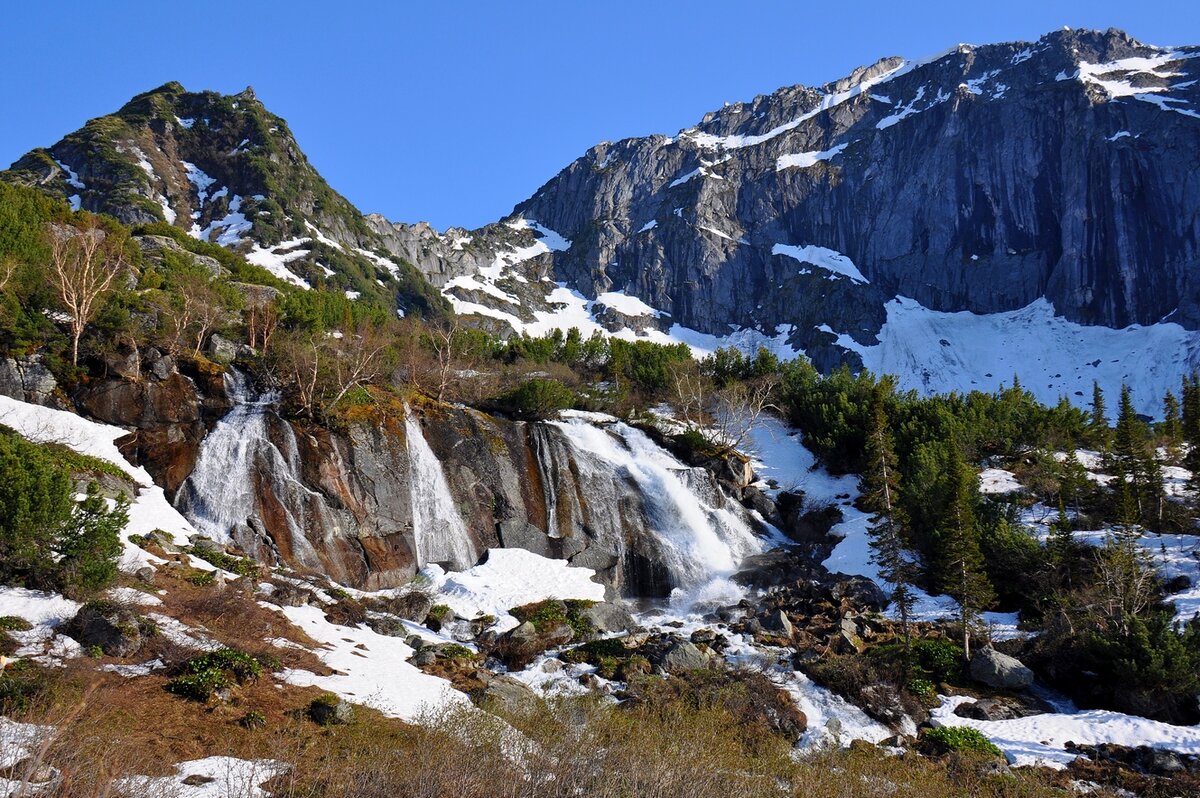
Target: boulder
column 859, row 591
column 329, row 710
column 116, row 630
column 522, row 645
column 684, row 656
column 220, row 349
column 777, row 623
column 1000, row 671
column 608, row 617
column 847, row 638
column 508, row 695
column 411, row 606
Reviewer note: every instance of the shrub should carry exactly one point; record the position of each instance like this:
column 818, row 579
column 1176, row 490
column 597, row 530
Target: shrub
column 22, row 684
column 537, row 399
column 959, row 739
column 253, row 720
column 942, row 659
column 456, row 651
column 242, row 566
column 11, row 623
column 202, row 578
column 204, row 675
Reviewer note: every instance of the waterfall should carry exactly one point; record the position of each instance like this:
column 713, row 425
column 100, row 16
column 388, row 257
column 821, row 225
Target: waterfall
column 701, row 539
column 438, row 529
column 219, row 495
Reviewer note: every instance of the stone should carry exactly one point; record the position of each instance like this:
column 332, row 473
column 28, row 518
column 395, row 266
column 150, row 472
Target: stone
column 114, row 629
column 516, row 533
column 1000, row 671
column 330, row 711
column 220, row 349
column 684, row 656
column 608, row 617
column 859, row 592
column 847, row 638
column 508, row 695
column 413, row 605
column 10, row 380
column 145, row 574
column 36, row 380
column 777, row 622
column 519, row 647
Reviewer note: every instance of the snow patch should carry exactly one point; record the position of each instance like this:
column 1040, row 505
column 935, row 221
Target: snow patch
column 938, row 352
column 803, row 160
column 828, row 259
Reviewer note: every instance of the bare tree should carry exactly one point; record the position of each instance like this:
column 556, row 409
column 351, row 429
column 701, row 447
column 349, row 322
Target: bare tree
column 358, row 359
column 690, row 388
column 8, row 267
column 262, row 319
column 84, row 261
column 739, row 406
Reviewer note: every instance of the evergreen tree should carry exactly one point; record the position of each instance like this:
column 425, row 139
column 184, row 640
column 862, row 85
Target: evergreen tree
column 1172, row 424
column 1134, row 456
column 1098, row 423
column 35, row 502
column 1073, row 477
column 880, row 487
column 1190, row 422
column 962, row 566
column 90, row 544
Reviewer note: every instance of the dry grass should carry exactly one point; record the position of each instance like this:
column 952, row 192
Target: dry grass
column 111, row 727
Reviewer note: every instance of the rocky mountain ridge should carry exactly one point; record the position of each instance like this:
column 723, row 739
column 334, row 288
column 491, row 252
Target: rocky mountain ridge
column 841, row 222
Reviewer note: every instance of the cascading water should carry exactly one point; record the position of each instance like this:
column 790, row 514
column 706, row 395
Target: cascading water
column 218, row 496
column 700, row 542
column 438, row 529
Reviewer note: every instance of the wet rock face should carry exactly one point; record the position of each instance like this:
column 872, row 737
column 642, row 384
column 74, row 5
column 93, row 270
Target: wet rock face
column 169, row 410
column 368, row 506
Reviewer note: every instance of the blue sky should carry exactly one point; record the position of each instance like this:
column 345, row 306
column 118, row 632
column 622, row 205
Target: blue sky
column 453, row 112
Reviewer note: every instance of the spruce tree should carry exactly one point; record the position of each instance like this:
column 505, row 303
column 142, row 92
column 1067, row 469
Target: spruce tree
column 1172, row 424
column 1190, row 421
column 880, row 488
column 962, row 567
column 1098, row 423
column 1060, row 546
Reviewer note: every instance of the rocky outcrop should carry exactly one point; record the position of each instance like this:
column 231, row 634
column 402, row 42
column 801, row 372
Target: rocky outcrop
column 979, row 180
column 170, row 407
column 999, row 670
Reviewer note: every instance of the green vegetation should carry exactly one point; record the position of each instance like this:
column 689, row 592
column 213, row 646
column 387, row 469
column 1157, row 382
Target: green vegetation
column 202, row 677
column 47, row 539
column 959, row 739
column 537, row 399
column 11, row 623
column 545, row 615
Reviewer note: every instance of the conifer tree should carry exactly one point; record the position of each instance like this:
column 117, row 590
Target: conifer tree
column 880, row 488
column 1190, row 421
column 963, row 577
column 1172, row 424
column 1061, row 549
column 1098, row 423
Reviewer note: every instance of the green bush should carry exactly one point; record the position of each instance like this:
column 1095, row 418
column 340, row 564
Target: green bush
column 537, row 399
column 11, row 623
column 204, row 675
column 253, row 720
column 942, row 659
column 242, row 566
column 456, row 651
column 202, row 578
column 47, row 540
column 960, row 739
column 22, row 684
